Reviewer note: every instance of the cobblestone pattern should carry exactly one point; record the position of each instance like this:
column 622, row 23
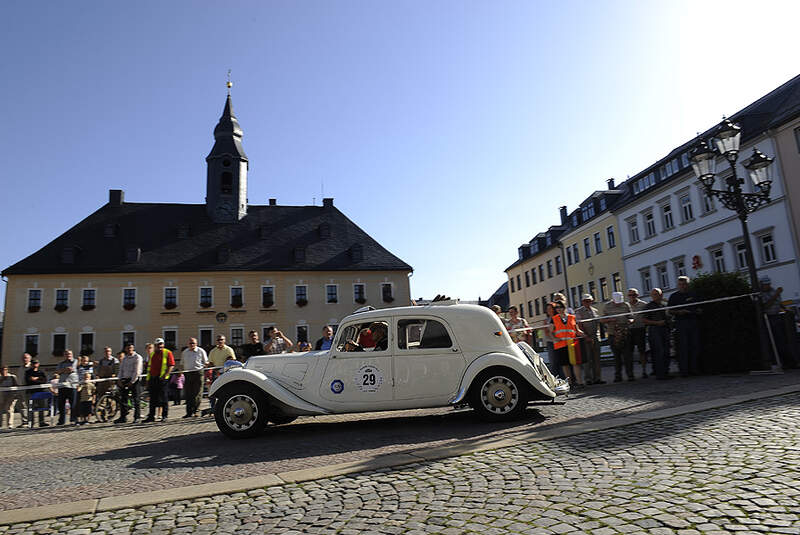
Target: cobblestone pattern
column 61, row 465
column 731, row 470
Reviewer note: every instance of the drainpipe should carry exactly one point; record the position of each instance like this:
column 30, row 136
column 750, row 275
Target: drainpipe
column 564, row 267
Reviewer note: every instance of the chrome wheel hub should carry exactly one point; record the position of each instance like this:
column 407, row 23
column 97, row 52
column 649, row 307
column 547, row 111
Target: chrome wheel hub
column 499, row 395
column 240, row 412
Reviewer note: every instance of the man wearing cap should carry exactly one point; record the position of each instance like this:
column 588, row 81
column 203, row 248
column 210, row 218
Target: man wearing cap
column 637, row 332
column 686, row 327
column 161, row 363
column 771, row 303
column 587, row 319
column 657, row 333
column 619, row 336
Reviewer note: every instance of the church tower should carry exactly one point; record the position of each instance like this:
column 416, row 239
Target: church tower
column 226, row 184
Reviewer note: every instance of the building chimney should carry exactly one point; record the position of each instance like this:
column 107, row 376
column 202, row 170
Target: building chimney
column 327, row 202
column 116, row 197
column 610, row 183
column 273, row 202
column 563, row 211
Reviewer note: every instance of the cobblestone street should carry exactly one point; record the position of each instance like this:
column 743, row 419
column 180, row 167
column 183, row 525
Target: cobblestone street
column 729, row 470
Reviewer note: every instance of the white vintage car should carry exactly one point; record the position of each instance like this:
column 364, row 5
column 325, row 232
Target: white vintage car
column 396, row 358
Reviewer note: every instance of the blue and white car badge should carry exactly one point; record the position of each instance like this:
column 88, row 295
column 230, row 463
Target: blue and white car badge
column 337, row 386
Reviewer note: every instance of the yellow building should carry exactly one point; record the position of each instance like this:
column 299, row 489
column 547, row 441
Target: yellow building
column 137, row 271
column 537, row 275
column 591, row 247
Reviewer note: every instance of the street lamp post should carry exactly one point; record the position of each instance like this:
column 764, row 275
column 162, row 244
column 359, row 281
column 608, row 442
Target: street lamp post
column 727, row 138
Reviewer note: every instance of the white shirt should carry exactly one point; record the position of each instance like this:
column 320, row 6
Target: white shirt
column 194, row 359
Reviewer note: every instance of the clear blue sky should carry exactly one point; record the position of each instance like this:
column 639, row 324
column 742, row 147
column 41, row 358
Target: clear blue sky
column 450, row 131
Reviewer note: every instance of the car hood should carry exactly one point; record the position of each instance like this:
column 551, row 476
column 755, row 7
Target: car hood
column 290, row 369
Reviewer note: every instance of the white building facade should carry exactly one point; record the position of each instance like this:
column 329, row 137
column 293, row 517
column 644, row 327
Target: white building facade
column 669, row 227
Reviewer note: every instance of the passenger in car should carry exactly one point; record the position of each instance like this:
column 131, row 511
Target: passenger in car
column 380, row 335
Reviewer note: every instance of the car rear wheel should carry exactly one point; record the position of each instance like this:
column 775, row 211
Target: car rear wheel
column 499, row 395
column 241, row 412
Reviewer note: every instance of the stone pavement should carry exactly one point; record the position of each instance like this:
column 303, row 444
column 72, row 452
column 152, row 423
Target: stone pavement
column 733, row 469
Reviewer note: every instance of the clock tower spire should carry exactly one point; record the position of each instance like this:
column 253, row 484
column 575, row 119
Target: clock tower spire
column 226, row 183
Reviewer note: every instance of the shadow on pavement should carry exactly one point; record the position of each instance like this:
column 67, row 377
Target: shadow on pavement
column 308, row 438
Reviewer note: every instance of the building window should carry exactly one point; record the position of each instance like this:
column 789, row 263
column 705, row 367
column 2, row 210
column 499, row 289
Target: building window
column 267, row 296
column 768, row 249
column 680, row 267
column 575, row 257
column 587, row 250
column 592, row 289
column 686, row 208
column 649, row 225
column 548, row 240
column 170, row 300
column 647, row 284
column 558, row 265
column 616, row 282
column 574, row 220
column 718, row 260
column 89, row 299
column 541, row 272
column 740, row 254
column 530, row 308
column 301, row 294
column 87, row 343
column 237, row 336
column 549, row 269
column 206, row 337
column 128, row 298
column 569, row 256
column 32, row 344
column 598, row 246
column 663, row 276
column 603, row 289
column 129, row 337
column 573, row 294
column 666, row 212
column 580, row 291
column 527, row 279
column 536, row 306
column 331, row 293
column 708, row 203
column 62, row 299
column 226, row 185
column 59, row 344
column 519, row 283
column 511, row 284
column 533, row 275
column 633, row 230
column 34, row 300
column 359, row 293
column 602, row 203
column 237, row 297
column 206, row 296
column 170, row 339
column 521, row 311
column 388, row 295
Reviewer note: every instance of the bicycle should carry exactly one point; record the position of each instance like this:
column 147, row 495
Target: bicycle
column 107, row 407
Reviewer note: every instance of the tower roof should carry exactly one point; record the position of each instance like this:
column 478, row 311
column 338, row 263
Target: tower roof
column 227, row 135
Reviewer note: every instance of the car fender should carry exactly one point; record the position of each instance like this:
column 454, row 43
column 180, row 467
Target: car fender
column 523, row 367
column 269, row 386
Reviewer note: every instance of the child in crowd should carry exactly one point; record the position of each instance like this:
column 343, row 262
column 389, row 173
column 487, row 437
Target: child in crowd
column 86, row 391
column 176, row 381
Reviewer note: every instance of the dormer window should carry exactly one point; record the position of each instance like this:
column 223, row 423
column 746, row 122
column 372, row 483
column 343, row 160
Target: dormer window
column 357, row 253
column 68, row 255
column 133, row 255
column 299, row 254
column 226, row 185
column 324, row 230
column 110, row 230
column 183, row 231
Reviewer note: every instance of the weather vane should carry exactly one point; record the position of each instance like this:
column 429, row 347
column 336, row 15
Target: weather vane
column 230, row 84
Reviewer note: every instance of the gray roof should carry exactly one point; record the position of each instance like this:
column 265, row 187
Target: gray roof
column 150, row 237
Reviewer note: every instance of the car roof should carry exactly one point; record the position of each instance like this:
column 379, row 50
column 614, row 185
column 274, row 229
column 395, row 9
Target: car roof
column 448, row 312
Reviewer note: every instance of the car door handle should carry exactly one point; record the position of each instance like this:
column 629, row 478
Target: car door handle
column 455, row 350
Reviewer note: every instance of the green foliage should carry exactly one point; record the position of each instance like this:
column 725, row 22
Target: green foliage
column 728, row 330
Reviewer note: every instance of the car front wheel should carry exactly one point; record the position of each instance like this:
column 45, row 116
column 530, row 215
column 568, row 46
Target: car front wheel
column 499, row 395
column 241, row 412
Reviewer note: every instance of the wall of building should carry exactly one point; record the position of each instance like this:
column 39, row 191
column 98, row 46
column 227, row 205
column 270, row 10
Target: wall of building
column 597, row 273
column 149, row 318
column 787, row 145
column 692, row 245
column 529, row 294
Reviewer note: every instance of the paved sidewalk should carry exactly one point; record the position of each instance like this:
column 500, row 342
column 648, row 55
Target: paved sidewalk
column 729, row 470
column 103, row 461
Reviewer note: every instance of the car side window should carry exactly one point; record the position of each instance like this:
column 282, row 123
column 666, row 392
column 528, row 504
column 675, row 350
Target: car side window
column 370, row 336
column 422, row 334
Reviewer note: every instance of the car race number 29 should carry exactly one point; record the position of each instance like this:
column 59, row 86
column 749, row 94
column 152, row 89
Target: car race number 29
column 368, row 378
